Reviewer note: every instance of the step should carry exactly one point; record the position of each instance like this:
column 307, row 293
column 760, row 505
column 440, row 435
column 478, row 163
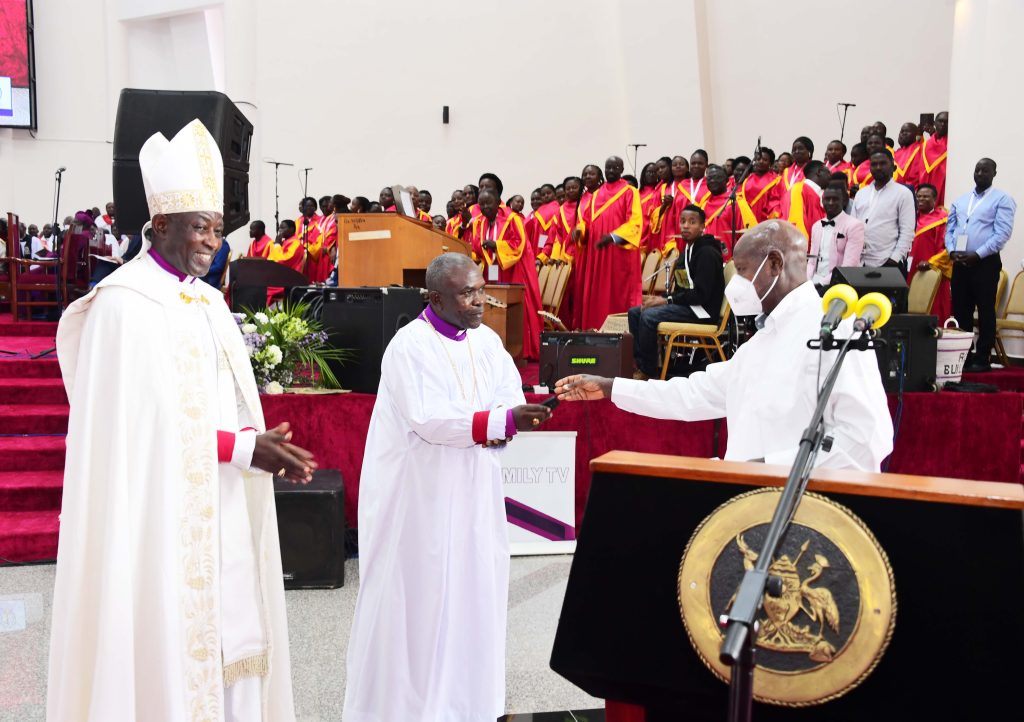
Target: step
column 32, row 453
column 44, row 368
column 27, row 328
column 28, row 535
column 34, row 418
column 32, row 391
column 31, row 490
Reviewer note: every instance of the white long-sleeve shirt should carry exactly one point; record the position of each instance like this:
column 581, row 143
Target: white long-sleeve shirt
column 768, row 390
column 890, row 221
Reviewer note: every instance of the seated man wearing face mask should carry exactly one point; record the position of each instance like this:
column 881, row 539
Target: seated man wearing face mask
column 768, row 390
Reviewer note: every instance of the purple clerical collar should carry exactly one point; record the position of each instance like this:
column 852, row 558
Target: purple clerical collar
column 162, row 262
column 443, row 327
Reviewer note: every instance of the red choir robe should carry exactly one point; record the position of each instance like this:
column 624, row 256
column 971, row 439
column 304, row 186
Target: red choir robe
column 666, row 224
column 539, row 229
column 929, row 242
column 309, row 237
column 802, row 207
column 719, row 219
column 909, row 167
column 516, row 264
column 933, row 165
column 791, row 175
column 319, row 264
column 650, row 197
column 579, row 266
column 454, row 227
column 761, row 194
column 260, row 247
column 565, row 250
column 289, row 253
column 422, row 215
column 611, row 277
column 843, row 166
column 861, row 177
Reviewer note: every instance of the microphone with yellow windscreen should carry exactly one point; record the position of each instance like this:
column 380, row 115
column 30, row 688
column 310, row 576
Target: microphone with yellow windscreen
column 873, row 311
column 838, row 303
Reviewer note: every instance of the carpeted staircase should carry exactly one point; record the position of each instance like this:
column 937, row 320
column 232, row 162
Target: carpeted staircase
column 33, row 423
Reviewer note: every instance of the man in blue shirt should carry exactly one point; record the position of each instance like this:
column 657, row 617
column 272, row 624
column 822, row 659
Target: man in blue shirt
column 980, row 223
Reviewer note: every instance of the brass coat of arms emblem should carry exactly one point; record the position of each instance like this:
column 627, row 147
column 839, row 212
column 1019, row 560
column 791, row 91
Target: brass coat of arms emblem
column 833, row 620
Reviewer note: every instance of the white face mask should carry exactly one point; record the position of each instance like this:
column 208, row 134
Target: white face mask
column 742, row 296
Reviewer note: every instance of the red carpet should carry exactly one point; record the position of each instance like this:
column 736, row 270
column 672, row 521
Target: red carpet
column 33, row 422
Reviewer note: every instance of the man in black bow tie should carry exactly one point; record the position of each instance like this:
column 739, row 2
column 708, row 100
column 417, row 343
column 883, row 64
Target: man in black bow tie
column 836, row 240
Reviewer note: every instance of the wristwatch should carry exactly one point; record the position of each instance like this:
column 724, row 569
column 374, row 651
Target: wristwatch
column 668, row 299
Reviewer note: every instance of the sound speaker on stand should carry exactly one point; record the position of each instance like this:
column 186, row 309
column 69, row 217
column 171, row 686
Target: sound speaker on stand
column 311, row 527
column 141, row 113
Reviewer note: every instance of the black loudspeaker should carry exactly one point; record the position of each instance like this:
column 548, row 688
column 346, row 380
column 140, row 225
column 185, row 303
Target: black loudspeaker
column 909, row 352
column 602, row 354
column 364, row 320
column 887, row 281
column 311, row 526
column 141, row 113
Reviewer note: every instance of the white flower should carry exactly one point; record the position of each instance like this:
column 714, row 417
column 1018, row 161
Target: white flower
column 274, row 388
column 260, row 317
column 248, row 328
column 274, row 354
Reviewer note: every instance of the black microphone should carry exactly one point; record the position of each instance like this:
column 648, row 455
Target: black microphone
column 61, row 169
column 838, row 303
column 848, row 105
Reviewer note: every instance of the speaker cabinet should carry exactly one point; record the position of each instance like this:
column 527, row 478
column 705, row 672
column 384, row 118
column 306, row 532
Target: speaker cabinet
column 885, row 280
column 311, row 526
column 141, row 113
column 602, row 354
column 365, row 320
column 909, row 353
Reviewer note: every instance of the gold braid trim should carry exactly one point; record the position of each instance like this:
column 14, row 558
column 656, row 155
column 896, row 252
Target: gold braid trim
column 257, row 665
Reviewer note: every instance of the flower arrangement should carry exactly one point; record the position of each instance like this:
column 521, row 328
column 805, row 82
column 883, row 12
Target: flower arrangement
column 285, row 346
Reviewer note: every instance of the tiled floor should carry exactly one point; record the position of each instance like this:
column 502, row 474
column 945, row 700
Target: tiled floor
column 318, row 625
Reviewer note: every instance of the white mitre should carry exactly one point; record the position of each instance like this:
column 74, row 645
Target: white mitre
column 183, row 175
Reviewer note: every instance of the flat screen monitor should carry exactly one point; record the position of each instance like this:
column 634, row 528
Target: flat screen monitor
column 17, row 65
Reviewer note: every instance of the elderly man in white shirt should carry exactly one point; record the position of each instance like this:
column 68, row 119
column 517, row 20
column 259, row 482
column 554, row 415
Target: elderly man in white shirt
column 768, row 390
column 889, row 214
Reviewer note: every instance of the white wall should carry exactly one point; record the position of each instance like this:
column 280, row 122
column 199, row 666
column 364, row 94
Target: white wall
column 537, row 89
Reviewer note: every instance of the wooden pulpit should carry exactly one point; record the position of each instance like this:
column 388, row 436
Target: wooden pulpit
column 506, row 317
column 956, row 550
column 384, row 249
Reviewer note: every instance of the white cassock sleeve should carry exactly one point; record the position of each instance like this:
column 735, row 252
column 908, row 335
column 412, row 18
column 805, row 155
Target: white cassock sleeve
column 422, row 396
column 697, row 398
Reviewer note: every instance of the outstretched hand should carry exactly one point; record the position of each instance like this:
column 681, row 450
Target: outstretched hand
column 275, row 453
column 583, row 387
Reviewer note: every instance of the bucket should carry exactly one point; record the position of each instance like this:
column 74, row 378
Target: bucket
column 952, row 349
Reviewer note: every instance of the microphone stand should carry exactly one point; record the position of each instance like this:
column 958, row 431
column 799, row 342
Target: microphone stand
column 58, row 247
column 305, row 183
column 736, row 189
column 277, row 197
column 842, row 121
column 740, row 624
column 636, row 150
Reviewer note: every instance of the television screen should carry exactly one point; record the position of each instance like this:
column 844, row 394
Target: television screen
column 17, row 65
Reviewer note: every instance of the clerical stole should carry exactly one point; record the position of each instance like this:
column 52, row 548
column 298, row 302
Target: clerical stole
column 909, row 167
column 930, row 247
column 611, row 280
column 791, row 175
column 720, row 216
column 650, row 198
column 540, row 229
column 801, row 206
column 862, row 177
column 933, row 165
column 515, row 263
column 260, row 247
column 762, row 193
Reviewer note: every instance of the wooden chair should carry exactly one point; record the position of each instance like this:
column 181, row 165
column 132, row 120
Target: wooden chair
column 552, row 301
column 649, row 268
column 1015, row 307
column 924, row 286
column 1004, row 280
column 544, row 276
column 669, row 259
column 706, row 336
column 6, row 266
column 31, row 278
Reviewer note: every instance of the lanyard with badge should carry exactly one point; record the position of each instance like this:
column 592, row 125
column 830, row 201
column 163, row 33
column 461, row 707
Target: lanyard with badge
column 688, row 283
column 961, row 238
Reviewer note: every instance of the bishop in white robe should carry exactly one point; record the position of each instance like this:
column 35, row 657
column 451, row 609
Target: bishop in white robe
column 169, row 601
column 768, row 390
column 428, row 637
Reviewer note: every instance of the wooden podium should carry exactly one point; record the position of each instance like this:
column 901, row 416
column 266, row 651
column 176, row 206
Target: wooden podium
column 383, row 249
column 956, row 550
column 507, row 322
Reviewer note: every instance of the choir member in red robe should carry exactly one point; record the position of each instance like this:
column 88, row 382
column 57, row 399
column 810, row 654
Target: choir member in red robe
column 261, row 244
column 803, row 151
column 719, row 213
column 862, row 177
column 929, row 248
column 611, row 224
column 288, row 251
column 454, row 226
column 933, row 157
column 539, row 225
column 566, row 245
column 835, row 159
column 387, row 200
column 802, row 205
column 649, row 200
column 322, row 252
column 593, row 178
column 909, row 166
column 675, row 197
column 784, row 160
column 501, row 237
column 739, row 167
column 307, row 229
column 762, row 188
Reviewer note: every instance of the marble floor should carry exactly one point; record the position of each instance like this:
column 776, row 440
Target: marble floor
column 318, row 624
